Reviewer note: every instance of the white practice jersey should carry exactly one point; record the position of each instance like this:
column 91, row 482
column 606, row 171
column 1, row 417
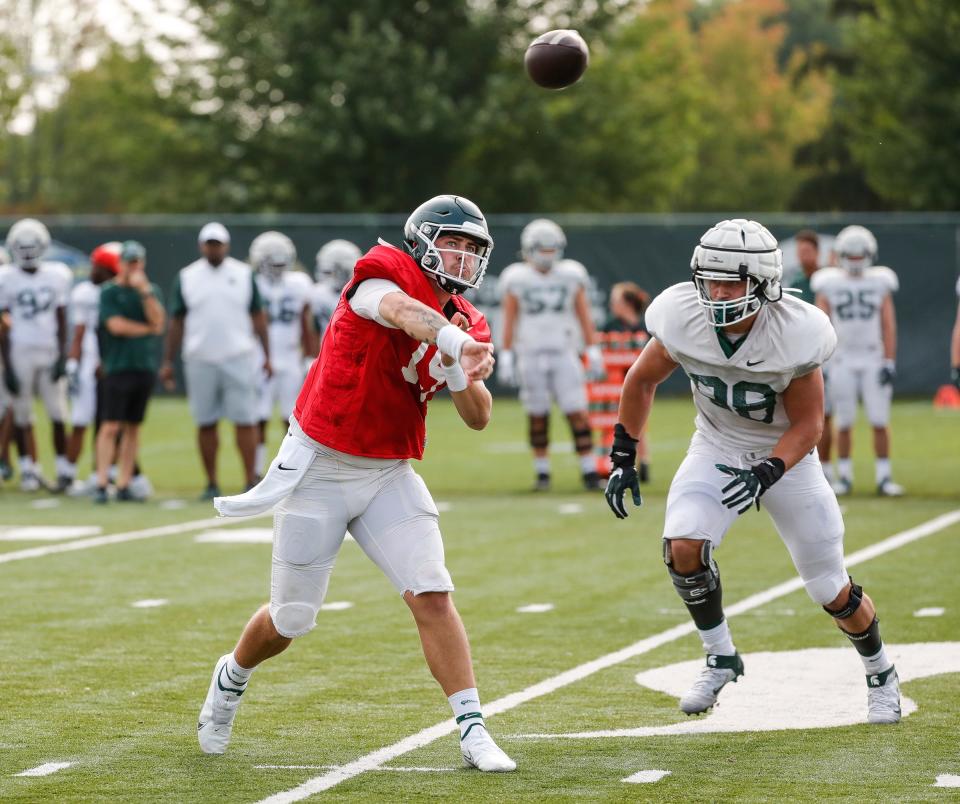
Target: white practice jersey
column 33, row 299
column 85, row 309
column 284, row 300
column 739, row 399
column 855, row 303
column 547, row 320
column 323, row 301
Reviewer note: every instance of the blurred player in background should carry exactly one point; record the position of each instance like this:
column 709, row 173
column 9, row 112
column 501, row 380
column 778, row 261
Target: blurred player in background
column 286, row 298
column 753, row 355
column 131, row 323
column 35, row 293
column 858, row 297
column 335, row 261
column 808, row 255
column 84, row 355
column 400, row 333
column 546, row 317
column 955, row 346
column 628, row 303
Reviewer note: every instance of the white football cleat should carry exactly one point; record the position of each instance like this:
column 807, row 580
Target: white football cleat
column 887, row 488
column 29, row 481
column 219, row 710
column 140, row 487
column 83, row 488
column 480, row 751
column 842, row 487
column 719, row 672
column 883, row 697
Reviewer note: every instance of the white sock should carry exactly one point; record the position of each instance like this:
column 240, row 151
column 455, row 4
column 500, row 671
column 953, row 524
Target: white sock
column 845, row 469
column 877, row 663
column 237, row 674
column 828, row 472
column 588, row 463
column 882, row 470
column 541, row 466
column 65, row 468
column 259, row 459
column 26, row 465
column 466, row 709
column 718, row 641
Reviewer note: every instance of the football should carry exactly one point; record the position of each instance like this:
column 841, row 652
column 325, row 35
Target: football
column 557, row 59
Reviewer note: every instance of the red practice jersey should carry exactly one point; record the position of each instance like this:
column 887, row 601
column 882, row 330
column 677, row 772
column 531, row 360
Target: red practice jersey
column 367, row 392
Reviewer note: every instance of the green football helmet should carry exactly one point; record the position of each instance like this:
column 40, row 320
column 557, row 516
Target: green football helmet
column 449, row 215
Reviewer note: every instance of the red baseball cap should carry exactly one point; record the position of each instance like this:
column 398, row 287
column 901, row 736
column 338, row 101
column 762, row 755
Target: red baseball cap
column 107, row 256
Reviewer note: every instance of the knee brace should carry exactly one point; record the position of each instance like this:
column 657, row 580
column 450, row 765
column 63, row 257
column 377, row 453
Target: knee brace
column 293, row 619
column 701, row 592
column 301, row 573
column 853, row 603
column 539, row 431
column 582, row 439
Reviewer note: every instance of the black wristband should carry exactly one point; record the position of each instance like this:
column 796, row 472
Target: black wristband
column 624, row 450
column 769, row 471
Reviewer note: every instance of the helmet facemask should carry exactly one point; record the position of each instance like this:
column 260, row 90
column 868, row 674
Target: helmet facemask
column 856, row 249
column 469, row 267
column 274, row 265
column 723, row 312
column 542, row 243
column 27, row 241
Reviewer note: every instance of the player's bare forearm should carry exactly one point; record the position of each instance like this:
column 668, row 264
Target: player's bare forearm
column 308, row 336
column 76, row 347
column 803, row 403
column 62, row 330
column 582, row 307
column 474, row 404
column 510, row 307
column 261, row 328
column 154, row 312
column 128, row 328
column 650, row 369
column 174, row 338
column 888, row 325
column 412, row 316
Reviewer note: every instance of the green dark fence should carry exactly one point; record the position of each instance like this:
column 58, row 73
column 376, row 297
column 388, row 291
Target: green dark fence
column 652, row 250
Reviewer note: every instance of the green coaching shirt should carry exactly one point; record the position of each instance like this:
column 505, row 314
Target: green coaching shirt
column 126, row 354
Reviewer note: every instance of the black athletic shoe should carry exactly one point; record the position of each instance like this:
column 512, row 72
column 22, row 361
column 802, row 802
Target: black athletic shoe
column 592, row 482
column 100, row 496
column 6, row 471
column 543, row 482
column 211, row 491
column 125, row 495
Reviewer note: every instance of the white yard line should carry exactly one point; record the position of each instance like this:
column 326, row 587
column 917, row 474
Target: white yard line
column 119, row 538
column 373, row 760
column 45, row 770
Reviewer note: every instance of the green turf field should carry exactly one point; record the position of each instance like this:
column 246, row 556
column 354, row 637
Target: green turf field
column 86, row 678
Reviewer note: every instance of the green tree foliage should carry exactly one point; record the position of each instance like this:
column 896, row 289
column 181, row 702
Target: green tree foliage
column 115, row 144
column 903, row 110
column 754, row 115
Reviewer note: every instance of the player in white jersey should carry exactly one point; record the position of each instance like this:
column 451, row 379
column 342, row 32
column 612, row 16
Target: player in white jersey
column 34, row 292
column 286, row 297
column 858, row 297
column 546, row 318
column 84, row 355
column 335, row 261
column 753, row 356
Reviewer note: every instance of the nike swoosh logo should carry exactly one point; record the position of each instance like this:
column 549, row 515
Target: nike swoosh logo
column 754, row 363
column 469, row 700
column 283, row 468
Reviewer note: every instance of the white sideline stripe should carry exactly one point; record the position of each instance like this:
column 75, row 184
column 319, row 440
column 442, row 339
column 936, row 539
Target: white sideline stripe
column 375, row 759
column 932, row 611
column 45, row 770
column 947, row 780
column 646, row 777
column 119, row 538
column 336, row 767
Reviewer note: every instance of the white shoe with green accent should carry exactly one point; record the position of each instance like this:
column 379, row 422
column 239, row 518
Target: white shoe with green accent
column 480, row 751
column 219, row 710
column 883, row 697
column 719, row 672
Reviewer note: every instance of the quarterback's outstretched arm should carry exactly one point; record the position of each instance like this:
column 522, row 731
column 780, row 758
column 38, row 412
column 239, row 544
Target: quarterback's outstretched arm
column 888, row 328
column 803, row 403
column 650, row 369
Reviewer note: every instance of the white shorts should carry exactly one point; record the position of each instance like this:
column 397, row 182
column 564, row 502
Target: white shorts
column 281, row 389
column 33, row 368
column 83, row 404
column 224, row 390
column 388, row 511
column 802, row 505
column 546, row 376
column 852, row 380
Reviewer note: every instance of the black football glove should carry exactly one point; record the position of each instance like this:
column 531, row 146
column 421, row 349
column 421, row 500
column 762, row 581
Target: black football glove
column 58, row 369
column 955, row 377
column 748, row 485
column 11, row 380
column 888, row 373
column 623, row 456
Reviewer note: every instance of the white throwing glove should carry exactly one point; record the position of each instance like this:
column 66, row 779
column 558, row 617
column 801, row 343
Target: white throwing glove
column 507, row 369
column 596, row 371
